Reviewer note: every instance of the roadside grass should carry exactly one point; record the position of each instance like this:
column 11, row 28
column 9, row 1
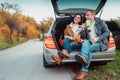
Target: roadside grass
column 4, row 45
column 110, row 71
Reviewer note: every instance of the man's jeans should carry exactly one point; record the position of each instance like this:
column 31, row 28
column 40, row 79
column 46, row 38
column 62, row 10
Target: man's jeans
column 68, row 45
column 86, row 50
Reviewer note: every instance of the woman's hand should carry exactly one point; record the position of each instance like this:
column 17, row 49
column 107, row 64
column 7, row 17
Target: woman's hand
column 72, row 38
column 77, row 38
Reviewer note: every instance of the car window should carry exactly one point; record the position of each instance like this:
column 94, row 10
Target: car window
column 71, row 4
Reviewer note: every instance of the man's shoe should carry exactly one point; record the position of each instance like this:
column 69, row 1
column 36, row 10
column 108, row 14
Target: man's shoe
column 81, row 60
column 81, row 76
column 57, row 59
column 63, row 53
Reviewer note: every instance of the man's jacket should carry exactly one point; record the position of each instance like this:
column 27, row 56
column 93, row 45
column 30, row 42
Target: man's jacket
column 102, row 32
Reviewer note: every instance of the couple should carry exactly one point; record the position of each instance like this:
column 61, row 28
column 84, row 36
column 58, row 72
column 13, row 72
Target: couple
column 96, row 31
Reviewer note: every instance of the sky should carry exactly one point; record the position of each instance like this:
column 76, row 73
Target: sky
column 39, row 9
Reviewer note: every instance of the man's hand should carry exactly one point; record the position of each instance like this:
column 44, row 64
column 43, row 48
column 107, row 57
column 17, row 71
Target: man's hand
column 83, row 26
column 94, row 40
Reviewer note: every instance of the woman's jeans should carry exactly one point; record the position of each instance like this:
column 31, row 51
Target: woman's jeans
column 68, row 45
column 86, row 50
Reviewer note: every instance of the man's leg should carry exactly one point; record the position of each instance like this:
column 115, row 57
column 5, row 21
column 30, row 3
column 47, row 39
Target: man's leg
column 87, row 49
column 82, row 58
column 92, row 48
column 84, row 52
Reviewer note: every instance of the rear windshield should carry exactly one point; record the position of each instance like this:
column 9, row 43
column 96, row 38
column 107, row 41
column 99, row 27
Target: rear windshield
column 72, row 4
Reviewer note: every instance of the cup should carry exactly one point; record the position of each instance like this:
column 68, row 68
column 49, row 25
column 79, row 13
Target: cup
column 88, row 23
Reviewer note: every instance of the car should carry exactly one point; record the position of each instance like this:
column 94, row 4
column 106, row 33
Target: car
column 64, row 11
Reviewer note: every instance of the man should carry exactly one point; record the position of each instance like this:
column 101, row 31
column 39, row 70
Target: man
column 98, row 32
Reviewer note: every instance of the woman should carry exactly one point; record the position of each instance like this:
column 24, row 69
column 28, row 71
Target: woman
column 72, row 38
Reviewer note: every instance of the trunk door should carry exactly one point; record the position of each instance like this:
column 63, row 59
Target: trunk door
column 68, row 7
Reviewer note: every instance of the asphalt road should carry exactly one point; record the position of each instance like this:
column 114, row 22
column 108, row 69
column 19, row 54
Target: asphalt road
column 25, row 62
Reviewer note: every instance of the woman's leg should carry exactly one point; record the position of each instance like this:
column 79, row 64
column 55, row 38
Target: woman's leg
column 68, row 45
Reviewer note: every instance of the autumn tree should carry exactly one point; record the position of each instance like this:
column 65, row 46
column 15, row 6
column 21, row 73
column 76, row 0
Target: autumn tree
column 5, row 32
column 11, row 24
column 4, row 29
column 18, row 21
column 10, row 7
column 45, row 25
column 8, row 19
column 31, row 27
column 15, row 24
column 32, row 32
column 30, row 20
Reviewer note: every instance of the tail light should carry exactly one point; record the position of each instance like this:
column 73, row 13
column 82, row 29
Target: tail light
column 111, row 42
column 49, row 42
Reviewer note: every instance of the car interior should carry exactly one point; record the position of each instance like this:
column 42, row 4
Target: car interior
column 61, row 23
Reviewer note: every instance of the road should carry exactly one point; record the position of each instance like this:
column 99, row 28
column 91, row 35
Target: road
column 25, row 62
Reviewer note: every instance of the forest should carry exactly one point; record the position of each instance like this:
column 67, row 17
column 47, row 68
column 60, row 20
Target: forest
column 14, row 25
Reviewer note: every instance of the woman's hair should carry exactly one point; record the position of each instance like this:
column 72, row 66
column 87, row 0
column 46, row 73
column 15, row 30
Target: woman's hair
column 76, row 15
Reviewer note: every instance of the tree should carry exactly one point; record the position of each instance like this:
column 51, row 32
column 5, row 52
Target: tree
column 32, row 32
column 8, row 18
column 10, row 7
column 4, row 29
column 45, row 25
column 30, row 20
column 16, row 24
column 11, row 24
column 1, row 21
column 5, row 32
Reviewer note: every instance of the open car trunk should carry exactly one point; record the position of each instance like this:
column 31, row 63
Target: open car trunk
column 62, row 22
column 65, row 7
column 59, row 29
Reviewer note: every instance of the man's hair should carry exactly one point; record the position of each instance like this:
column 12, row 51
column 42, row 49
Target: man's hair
column 92, row 11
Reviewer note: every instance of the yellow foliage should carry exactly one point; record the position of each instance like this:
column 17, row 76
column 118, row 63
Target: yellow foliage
column 5, row 32
column 32, row 32
column 17, row 25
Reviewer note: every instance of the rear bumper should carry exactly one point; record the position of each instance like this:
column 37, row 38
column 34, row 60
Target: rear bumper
column 96, row 56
